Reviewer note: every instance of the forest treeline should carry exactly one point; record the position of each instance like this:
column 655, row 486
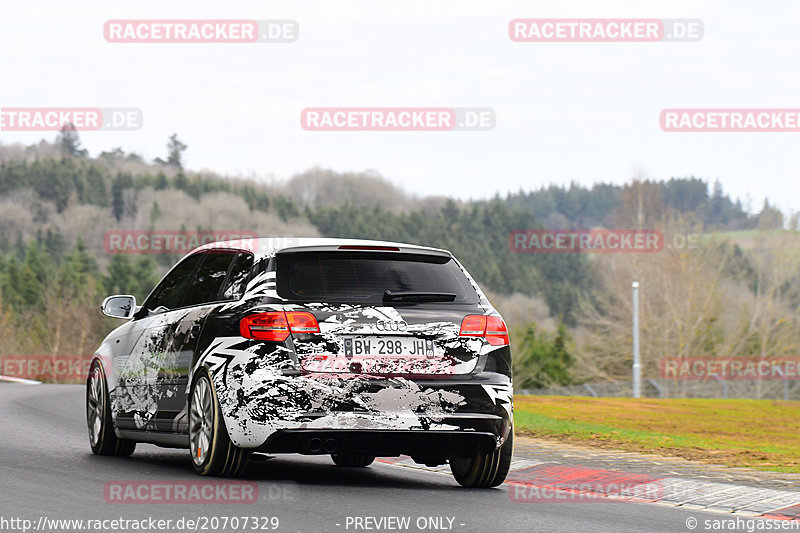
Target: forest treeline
column 56, row 203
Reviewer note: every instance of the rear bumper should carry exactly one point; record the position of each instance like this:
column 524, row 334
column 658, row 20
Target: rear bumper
column 281, row 414
column 425, row 446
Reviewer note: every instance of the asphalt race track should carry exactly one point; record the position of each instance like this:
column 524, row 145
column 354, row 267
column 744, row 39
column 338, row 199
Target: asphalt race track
column 47, row 470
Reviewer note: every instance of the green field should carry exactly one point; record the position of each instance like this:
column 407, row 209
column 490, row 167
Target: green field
column 762, row 434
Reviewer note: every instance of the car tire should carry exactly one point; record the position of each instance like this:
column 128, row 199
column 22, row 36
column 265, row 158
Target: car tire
column 213, row 453
column 351, row 459
column 102, row 438
column 484, row 469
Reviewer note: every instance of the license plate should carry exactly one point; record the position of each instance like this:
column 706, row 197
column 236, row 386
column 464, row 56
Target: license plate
column 388, row 347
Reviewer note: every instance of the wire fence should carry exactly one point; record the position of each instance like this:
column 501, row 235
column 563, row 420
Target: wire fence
column 664, row 388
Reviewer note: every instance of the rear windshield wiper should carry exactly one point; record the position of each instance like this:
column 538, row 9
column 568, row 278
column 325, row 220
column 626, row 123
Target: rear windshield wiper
column 416, row 296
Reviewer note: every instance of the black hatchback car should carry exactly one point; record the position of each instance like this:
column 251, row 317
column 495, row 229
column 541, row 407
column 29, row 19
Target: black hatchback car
column 354, row 349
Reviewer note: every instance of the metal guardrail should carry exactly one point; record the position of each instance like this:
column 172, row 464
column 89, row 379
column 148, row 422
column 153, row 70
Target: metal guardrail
column 784, row 389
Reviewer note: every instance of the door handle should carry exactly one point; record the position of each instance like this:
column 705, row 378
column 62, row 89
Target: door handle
column 194, row 331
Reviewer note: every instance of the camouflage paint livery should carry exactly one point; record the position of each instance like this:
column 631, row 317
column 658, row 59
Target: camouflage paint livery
column 306, row 382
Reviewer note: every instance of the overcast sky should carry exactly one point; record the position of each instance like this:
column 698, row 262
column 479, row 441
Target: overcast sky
column 583, row 112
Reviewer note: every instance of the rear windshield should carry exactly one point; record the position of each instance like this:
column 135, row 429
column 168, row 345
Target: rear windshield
column 364, row 277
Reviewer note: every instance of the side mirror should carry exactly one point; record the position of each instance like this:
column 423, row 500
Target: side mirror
column 119, row 306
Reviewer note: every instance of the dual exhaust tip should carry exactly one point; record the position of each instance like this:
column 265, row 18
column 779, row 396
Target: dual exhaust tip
column 317, row 445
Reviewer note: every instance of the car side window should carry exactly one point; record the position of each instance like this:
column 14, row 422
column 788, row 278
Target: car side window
column 207, row 280
column 237, row 281
column 169, row 293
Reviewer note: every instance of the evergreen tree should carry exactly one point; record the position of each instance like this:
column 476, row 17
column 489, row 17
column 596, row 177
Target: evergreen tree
column 96, row 192
column 541, row 361
column 161, row 182
column 120, row 278
column 180, row 181
column 121, row 182
column 175, row 149
column 130, row 277
column 70, row 141
column 52, row 242
column 76, row 274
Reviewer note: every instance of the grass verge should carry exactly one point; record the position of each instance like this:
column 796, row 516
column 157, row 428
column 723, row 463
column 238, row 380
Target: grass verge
column 762, row 434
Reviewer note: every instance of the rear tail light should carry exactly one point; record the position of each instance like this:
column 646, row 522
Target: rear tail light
column 265, row 327
column 496, row 331
column 302, row 322
column 473, row 326
column 277, row 325
column 491, row 328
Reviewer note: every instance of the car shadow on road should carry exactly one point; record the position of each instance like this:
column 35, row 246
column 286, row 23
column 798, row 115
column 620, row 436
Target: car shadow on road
column 304, row 470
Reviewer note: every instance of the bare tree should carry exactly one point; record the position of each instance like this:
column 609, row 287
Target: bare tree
column 693, row 303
